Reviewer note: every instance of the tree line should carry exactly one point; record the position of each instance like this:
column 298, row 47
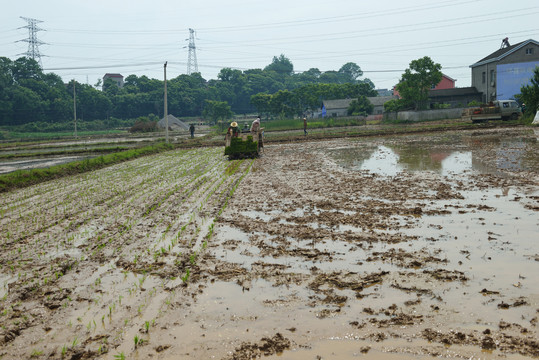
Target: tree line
column 28, row 95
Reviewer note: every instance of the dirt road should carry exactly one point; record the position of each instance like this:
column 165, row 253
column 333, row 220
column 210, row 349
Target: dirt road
column 379, row 248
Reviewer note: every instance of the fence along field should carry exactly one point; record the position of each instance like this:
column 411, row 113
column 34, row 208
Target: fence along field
column 91, row 260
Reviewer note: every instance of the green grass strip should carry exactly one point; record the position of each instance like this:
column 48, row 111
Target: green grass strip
column 24, row 178
column 65, row 152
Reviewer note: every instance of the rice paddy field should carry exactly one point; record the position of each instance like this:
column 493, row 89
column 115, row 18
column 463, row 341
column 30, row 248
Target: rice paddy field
column 395, row 247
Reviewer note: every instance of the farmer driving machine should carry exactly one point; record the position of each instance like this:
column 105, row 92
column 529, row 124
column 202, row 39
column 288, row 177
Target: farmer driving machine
column 243, row 144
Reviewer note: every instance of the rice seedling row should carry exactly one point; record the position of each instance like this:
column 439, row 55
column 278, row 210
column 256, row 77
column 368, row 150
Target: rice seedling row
column 105, row 251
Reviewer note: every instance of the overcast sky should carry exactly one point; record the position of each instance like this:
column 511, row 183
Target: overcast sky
column 86, row 39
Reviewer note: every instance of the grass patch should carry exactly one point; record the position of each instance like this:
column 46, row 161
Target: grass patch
column 65, row 152
column 23, row 178
column 16, row 135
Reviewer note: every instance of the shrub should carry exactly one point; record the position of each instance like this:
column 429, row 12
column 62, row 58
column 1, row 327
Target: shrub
column 144, row 126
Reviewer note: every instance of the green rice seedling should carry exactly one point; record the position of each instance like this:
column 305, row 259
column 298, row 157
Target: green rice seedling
column 210, row 232
column 36, row 353
column 120, row 356
column 138, row 341
column 75, row 342
column 185, row 278
column 64, row 351
column 147, row 326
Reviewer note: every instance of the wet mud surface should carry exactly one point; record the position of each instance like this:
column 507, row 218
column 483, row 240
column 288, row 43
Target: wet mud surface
column 399, row 247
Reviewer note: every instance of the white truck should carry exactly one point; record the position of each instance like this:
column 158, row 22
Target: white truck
column 495, row 110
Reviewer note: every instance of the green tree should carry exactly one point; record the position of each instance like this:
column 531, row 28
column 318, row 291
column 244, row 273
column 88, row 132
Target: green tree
column 262, row 103
column 529, row 94
column 351, row 72
column 92, row 104
column 418, row 79
column 6, row 82
column 281, row 65
column 331, row 77
column 27, row 106
column 283, row 103
column 395, row 105
column 25, row 68
column 217, row 111
column 360, row 106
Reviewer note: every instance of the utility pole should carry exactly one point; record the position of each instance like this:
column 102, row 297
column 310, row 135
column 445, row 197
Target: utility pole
column 166, row 107
column 33, row 42
column 192, row 65
column 75, row 107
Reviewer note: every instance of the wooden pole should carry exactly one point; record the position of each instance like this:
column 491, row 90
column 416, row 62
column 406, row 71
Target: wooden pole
column 166, row 107
column 75, row 107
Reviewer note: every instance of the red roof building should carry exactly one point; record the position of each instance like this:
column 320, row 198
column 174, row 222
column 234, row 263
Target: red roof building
column 445, row 83
column 117, row 78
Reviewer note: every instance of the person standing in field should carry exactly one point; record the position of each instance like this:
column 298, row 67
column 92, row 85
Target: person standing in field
column 255, row 126
column 305, row 126
column 192, row 130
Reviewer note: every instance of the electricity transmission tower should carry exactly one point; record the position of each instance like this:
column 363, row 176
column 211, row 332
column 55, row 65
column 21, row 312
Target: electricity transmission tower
column 33, row 42
column 192, row 65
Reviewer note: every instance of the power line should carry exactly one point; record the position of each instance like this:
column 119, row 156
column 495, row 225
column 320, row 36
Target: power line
column 391, row 29
column 348, row 17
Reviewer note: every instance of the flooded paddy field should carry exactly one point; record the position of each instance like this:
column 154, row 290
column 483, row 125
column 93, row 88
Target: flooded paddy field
column 46, row 153
column 403, row 247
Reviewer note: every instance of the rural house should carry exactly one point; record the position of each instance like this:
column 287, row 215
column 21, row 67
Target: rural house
column 117, row 78
column 501, row 74
column 456, row 97
column 446, row 83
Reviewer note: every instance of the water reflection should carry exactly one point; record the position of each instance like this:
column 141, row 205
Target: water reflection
column 386, row 161
column 383, row 161
column 26, row 164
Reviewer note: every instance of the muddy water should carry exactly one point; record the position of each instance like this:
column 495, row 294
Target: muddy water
column 463, row 263
column 13, row 165
column 405, row 247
